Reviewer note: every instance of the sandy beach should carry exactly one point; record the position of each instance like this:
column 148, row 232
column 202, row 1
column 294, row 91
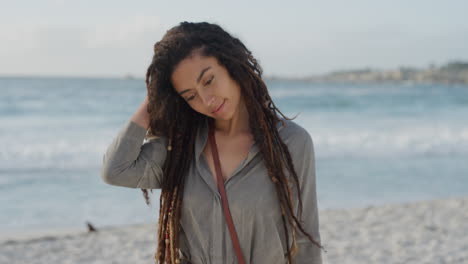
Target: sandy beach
column 418, row 232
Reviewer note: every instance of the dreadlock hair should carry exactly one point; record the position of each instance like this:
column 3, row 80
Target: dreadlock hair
column 172, row 117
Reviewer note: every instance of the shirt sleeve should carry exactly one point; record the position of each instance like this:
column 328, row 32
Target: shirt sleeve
column 128, row 162
column 304, row 163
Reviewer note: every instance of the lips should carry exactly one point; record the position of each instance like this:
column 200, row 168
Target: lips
column 219, row 107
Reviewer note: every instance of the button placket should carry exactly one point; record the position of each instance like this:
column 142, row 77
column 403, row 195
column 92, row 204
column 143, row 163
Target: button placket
column 217, row 246
column 253, row 151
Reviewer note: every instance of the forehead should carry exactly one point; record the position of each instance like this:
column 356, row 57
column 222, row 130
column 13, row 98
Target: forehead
column 186, row 73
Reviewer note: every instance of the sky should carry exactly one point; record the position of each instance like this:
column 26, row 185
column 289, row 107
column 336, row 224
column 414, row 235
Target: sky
column 103, row 38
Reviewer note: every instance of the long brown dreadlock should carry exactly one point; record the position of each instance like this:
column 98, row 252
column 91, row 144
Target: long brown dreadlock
column 165, row 106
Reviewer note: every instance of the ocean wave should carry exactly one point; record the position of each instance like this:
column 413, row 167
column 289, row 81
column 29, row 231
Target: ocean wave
column 68, row 153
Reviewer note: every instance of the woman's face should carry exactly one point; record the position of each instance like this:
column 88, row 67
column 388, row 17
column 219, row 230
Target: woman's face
column 207, row 87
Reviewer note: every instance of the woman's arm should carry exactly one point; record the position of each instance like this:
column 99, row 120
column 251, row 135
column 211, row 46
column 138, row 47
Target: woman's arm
column 304, row 163
column 129, row 163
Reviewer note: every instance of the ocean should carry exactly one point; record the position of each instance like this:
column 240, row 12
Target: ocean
column 374, row 144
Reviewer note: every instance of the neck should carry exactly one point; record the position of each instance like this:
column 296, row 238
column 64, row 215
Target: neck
column 238, row 124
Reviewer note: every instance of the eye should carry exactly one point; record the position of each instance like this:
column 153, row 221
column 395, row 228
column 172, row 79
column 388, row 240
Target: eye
column 209, row 81
column 191, row 97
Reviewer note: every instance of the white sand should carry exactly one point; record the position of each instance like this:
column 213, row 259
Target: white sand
column 421, row 232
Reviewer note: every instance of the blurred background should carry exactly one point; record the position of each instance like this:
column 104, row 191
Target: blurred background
column 382, row 87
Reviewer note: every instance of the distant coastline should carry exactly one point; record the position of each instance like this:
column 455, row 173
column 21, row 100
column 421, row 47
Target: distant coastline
column 455, row 72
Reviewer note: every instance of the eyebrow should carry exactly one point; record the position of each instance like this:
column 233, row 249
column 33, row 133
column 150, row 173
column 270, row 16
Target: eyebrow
column 198, row 79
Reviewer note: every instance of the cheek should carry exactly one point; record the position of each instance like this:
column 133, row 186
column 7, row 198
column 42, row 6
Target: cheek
column 235, row 93
column 200, row 109
column 229, row 91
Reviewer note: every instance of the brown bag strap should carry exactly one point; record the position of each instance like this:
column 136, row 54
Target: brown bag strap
column 227, row 213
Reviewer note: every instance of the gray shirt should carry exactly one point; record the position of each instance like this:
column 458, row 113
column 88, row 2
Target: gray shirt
column 131, row 161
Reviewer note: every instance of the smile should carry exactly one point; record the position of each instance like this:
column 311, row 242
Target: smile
column 219, row 108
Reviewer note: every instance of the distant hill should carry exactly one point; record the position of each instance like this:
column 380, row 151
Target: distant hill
column 452, row 72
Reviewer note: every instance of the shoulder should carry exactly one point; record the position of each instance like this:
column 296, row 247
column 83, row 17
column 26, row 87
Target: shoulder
column 300, row 145
column 294, row 135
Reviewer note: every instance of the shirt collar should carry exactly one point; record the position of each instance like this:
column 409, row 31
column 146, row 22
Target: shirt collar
column 202, row 139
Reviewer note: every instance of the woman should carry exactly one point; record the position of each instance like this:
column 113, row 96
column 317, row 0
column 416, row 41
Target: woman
column 203, row 80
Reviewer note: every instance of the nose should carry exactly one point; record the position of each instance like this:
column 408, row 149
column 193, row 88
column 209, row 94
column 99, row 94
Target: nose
column 208, row 99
